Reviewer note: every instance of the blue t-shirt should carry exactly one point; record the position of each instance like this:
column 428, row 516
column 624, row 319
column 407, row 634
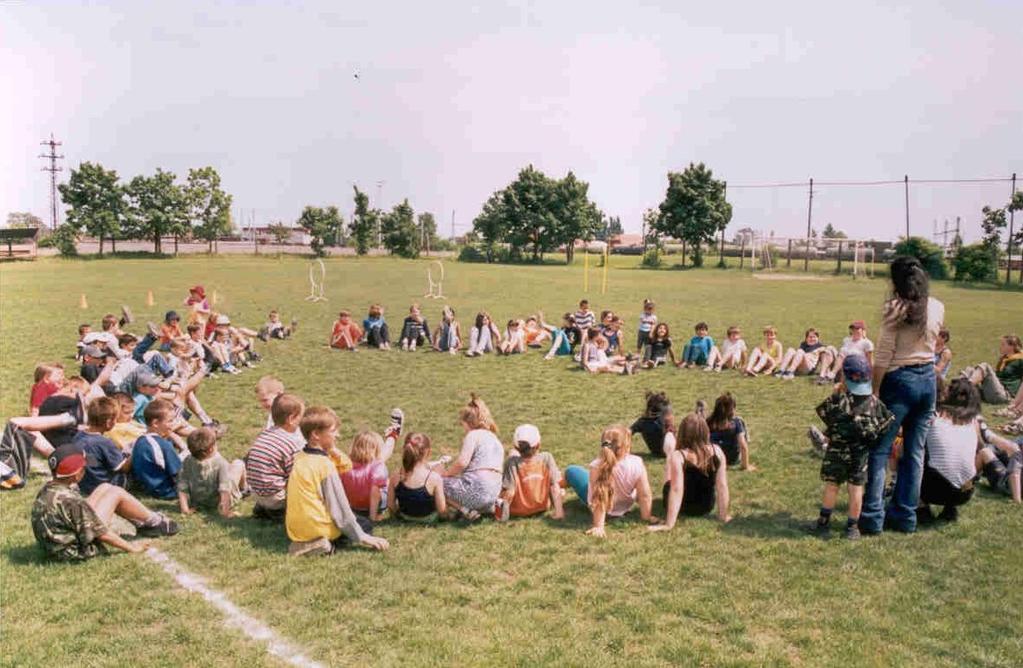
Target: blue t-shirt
column 141, row 401
column 102, row 457
column 699, row 348
column 370, row 323
column 155, row 465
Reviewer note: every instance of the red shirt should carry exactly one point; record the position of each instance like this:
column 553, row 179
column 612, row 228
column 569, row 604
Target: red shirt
column 41, row 391
column 168, row 332
column 354, row 333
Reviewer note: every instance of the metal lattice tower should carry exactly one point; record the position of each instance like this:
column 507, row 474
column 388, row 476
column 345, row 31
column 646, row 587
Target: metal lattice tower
column 52, row 169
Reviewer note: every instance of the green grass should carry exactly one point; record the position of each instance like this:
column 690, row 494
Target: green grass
column 754, row 592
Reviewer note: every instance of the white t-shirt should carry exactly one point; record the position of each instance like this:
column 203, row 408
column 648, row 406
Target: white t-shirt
column 731, row 348
column 647, row 321
column 625, row 479
column 515, row 336
column 861, row 347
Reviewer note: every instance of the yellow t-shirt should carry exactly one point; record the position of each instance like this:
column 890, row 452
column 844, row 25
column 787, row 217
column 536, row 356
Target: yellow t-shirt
column 124, row 434
column 307, row 517
column 776, row 351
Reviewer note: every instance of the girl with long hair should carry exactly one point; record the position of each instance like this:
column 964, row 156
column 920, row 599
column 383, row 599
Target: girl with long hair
column 416, row 490
column 472, row 482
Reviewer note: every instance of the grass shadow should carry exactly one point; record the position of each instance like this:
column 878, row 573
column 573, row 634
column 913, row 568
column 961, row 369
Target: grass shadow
column 265, row 535
column 25, row 555
column 780, row 524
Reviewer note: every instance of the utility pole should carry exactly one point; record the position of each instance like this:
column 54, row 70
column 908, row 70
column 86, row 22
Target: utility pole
column 380, row 230
column 1008, row 260
column 809, row 218
column 452, row 224
column 52, row 169
column 905, row 180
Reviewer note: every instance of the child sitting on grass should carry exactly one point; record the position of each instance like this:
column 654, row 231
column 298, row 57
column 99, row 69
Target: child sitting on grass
column 207, row 480
column 594, row 356
column 614, row 482
column 728, row 432
column 529, row 484
column 275, row 329
column 105, row 462
column 170, row 329
column 535, row 333
column 448, row 337
column 48, row 380
column 268, row 462
column 318, row 517
column 514, row 338
column 854, row 422
column 766, row 357
column 731, row 355
column 346, row 334
column 561, row 339
column 416, row 490
column 802, row 360
column 125, row 431
column 269, row 388
column 697, row 351
column 856, row 343
column 697, row 476
column 366, row 482
column 70, row 527
column 658, row 347
column 942, row 353
column 84, row 330
column 656, row 424
column 154, row 459
column 484, row 337
column 415, row 331
column 374, row 328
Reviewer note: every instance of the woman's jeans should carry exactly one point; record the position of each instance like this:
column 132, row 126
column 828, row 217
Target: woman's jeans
column 578, row 478
column 909, row 393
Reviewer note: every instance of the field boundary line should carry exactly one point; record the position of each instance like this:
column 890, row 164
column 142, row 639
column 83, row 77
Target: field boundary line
column 234, row 616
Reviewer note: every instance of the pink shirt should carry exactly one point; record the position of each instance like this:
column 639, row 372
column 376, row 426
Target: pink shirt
column 361, row 480
column 625, row 479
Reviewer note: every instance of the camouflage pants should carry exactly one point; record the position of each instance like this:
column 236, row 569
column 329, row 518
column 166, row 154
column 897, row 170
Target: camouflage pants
column 844, row 463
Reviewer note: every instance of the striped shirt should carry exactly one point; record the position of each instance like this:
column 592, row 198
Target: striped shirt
column 647, row 321
column 584, row 319
column 951, row 450
column 268, row 462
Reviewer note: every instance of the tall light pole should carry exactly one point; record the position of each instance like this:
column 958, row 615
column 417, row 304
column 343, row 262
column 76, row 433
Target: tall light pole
column 52, row 169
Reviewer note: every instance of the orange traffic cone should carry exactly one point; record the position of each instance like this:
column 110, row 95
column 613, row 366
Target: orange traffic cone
column 83, row 303
column 149, row 298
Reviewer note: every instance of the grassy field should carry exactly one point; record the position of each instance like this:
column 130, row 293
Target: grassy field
column 754, row 592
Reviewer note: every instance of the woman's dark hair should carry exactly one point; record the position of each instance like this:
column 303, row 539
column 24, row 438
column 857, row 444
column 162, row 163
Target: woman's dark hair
column 656, row 403
column 911, row 285
column 480, row 317
column 724, row 411
column 654, row 336
column 960, row 401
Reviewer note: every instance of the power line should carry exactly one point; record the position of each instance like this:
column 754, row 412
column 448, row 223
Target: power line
column 52, row 169
column 902, row 181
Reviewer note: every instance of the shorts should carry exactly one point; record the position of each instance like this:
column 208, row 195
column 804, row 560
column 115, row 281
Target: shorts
column 844, row 464
column 473, row 492
column 999, row 469
column 641, row 339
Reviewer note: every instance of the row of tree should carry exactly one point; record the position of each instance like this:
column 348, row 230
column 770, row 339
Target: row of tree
column 399, row 230
column 146, row 207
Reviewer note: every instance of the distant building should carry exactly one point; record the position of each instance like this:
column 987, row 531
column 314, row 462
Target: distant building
column 744, row 236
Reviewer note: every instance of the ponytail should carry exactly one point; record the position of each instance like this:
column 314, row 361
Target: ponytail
column 415, row 450
column 477, row 415
column 614, row 444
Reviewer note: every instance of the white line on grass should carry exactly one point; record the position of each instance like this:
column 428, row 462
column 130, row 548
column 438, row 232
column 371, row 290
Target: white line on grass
column 234, row 615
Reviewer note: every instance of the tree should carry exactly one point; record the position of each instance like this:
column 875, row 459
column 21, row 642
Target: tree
column 831, row 233
column 614, row 226
column 489, row 225
column 1015, row 238
column 427, row 230
column 64, row 239
column 929, row 254
column 363, row 224
column 157, row 206
column 694, row 209
column 18, row 219
column 280, row 232
column 400, row 234
column 577, row 217
column 975, row 263
column 320, row 224
column 528, row 215
column 992, row 224
column 95, row 201
column 209, row 206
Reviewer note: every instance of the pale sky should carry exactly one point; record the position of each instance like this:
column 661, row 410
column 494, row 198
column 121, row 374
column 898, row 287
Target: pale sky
column 453, row 99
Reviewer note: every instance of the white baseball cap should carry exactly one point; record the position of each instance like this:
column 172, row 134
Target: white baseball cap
column 527, row 433
column 222, row 320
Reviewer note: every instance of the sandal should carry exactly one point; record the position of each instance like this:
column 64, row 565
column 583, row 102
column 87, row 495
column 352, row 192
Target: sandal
column 1007, row 412
column 1013, row 428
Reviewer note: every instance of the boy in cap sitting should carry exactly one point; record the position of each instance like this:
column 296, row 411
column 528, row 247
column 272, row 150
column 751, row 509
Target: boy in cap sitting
column 70, row 527
column 854, row 421
column 530, row 481
column 170, row 329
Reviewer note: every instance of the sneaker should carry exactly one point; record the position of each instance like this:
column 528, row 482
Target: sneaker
column 412, row 346
column 852, row 532
column 263, row 335
column 153, row 330
column 164, row 527
column 924, row 516
column 717, row 368
column 788, row 376
column 820, row 528
column 823, row 380
column 397, row 422
column 708, row 368
column 320, row 547
column 949, row 514
column 254, row 356
column 818, row 439
column 230, row 368
column 502, row 510
column 126, row 315
column 469, row 515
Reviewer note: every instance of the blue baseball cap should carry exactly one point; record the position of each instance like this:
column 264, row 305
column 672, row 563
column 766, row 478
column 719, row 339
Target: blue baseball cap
column 858, row 375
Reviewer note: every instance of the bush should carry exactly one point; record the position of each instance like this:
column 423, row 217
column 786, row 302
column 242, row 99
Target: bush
column 652, row 258
column 975, row 263
column 443, row 245
column 64, row 239
column 471, row 254
column 929, row 254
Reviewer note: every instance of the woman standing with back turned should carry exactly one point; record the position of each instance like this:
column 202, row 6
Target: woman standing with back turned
column 904, row 381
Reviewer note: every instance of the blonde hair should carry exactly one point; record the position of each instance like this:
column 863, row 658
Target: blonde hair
column 366, row 447
column 615, row 443
column 269, row 385
column 316, row 418
column 770, row 329
column 477, row 415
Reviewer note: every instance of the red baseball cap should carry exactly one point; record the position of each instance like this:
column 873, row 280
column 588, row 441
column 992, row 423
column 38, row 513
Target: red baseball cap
column 67, row 460
column 199, row 290
column 858, row 324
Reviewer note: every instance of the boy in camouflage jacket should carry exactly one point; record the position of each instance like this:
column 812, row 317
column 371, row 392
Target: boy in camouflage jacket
column 854, row 421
